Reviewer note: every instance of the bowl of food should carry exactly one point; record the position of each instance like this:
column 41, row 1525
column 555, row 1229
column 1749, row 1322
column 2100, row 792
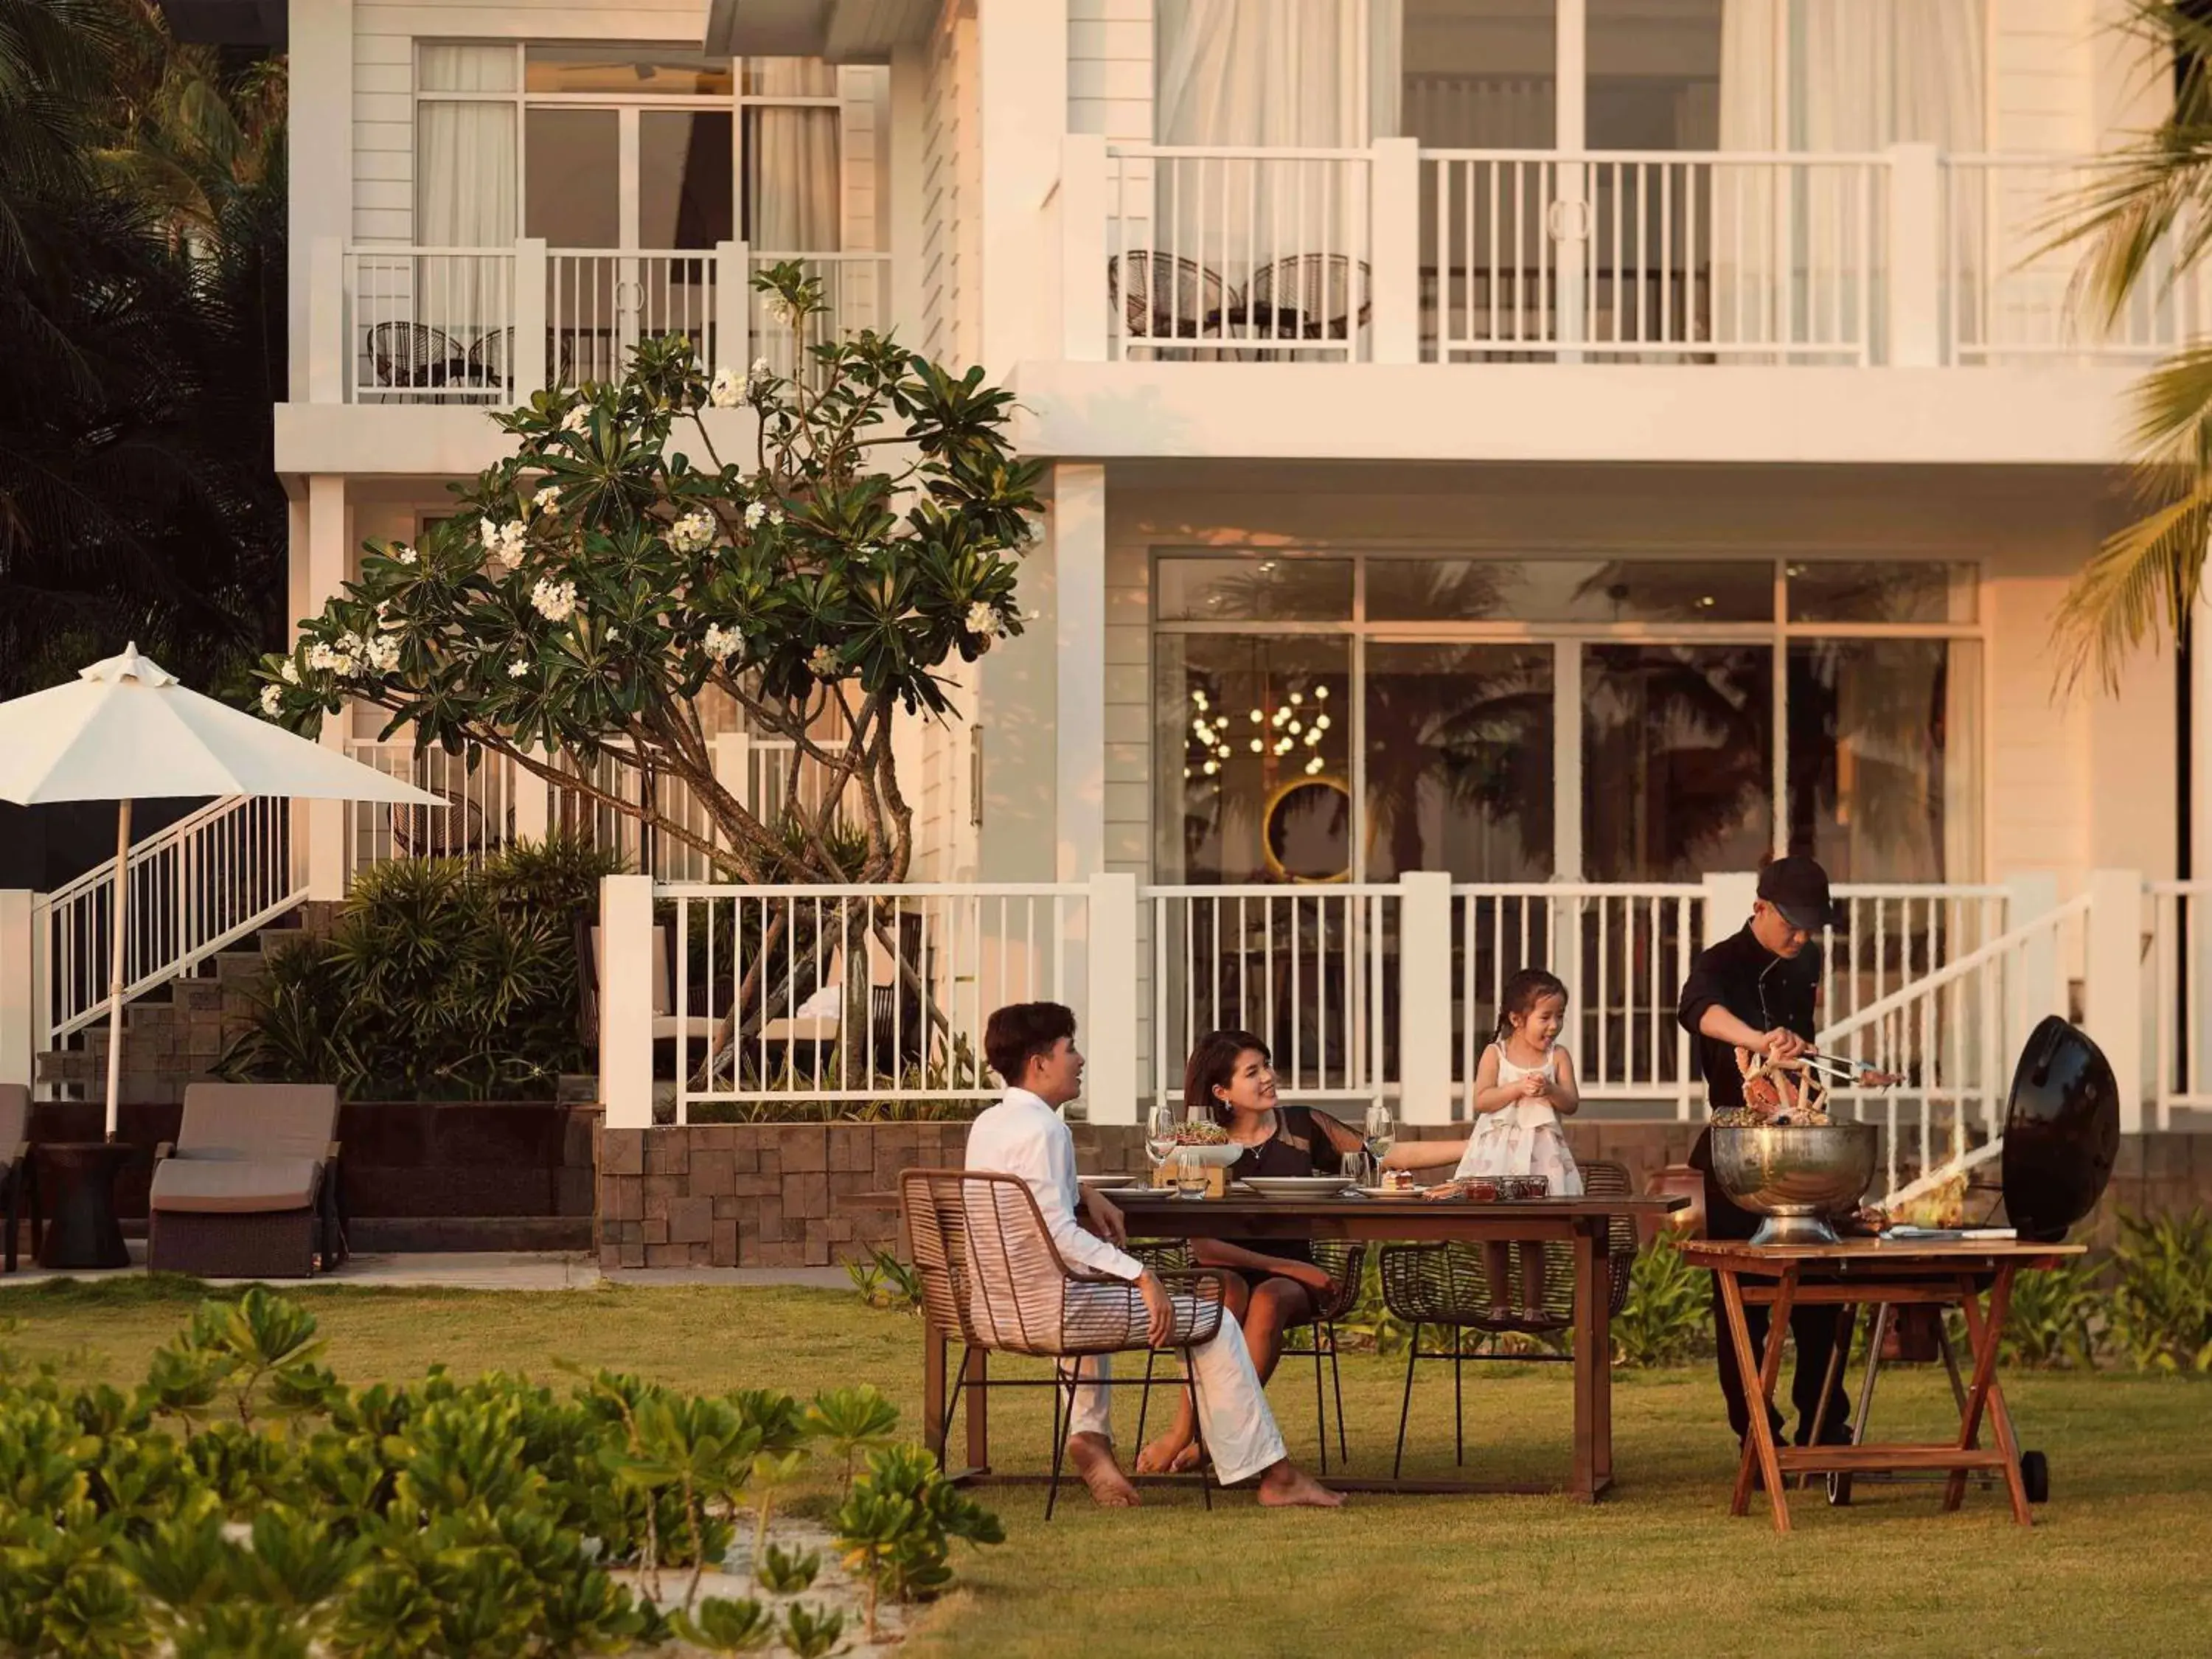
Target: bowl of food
column 1203, row 1144
column 1798, row 1175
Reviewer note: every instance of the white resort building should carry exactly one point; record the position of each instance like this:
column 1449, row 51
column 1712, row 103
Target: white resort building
column 1515, row 465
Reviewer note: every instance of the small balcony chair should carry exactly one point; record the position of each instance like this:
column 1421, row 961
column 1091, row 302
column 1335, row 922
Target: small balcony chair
column 249, row 1189
column 1304, row 297
column 992, row 1276
column 18, row 1188
column 1164, row 297
column 1344, row 1261
column 415, row 355
column 1448, row 1286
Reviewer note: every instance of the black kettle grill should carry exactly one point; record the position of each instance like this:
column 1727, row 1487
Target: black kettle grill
column 2061, row 1135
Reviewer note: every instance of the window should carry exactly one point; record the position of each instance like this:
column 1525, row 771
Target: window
column 1322, row 717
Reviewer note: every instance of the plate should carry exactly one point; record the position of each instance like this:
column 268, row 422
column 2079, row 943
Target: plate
column 1391, row 1192
column 1295, row 1185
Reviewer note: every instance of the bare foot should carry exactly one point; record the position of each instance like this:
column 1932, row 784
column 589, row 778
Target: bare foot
column 1167, row 1455
column 1285, row 1486
column 1093, row 1457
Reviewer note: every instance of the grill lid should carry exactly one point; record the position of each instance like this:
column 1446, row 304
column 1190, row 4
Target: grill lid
column 2062, row 1131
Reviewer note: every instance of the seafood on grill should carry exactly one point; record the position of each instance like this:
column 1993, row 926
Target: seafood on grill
column 1784, row 1091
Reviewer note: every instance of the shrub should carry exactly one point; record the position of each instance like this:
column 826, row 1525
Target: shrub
column 242, row 1500
column 2162, row 1300
column 1667, row 1319
column 896, row 1527
column 443, row 980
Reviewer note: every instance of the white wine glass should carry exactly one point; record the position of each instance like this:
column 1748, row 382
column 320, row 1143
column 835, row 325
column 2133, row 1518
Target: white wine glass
column 1159, row 1139
column 1381, row 1133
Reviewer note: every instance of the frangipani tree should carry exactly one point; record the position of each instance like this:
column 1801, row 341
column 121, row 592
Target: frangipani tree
column 593, row 586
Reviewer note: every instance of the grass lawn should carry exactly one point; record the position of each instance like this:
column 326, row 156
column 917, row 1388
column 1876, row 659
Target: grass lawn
column 2115, row 1564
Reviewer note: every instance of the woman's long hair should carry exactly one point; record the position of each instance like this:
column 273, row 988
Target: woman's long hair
column 1212, row 1065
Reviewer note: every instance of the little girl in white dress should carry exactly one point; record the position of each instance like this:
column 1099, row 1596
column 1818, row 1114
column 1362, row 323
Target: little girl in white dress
column 1524, row 1085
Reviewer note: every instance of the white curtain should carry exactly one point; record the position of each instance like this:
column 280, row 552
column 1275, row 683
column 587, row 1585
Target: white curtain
column 466, row 179
column 792, row 175
column 1796, row 252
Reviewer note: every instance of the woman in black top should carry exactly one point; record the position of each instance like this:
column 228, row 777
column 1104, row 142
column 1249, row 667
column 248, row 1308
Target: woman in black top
column 1271, row 1284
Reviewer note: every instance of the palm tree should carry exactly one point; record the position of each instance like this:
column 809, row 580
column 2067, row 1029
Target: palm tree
column 2147, row 222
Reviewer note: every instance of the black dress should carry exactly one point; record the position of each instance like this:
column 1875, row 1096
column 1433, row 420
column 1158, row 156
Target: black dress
column 1299, row 1146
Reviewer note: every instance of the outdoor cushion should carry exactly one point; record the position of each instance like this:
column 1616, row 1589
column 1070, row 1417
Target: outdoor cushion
column 235, row 1186
column 259, row 1120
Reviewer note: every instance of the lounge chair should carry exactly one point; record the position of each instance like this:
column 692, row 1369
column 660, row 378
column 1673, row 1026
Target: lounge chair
column 17, row 1190
column 250, row 1188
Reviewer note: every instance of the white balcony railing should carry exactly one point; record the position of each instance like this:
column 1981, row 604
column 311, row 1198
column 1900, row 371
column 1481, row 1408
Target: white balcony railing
column 401, row 325
column 1396, row 255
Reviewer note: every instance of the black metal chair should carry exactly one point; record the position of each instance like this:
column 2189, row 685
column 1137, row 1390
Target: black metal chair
column 457, row 830
column 490, row 361
column 416, row 355
column 1305, row 296
column 1164, row 296
column 1344, row 1261
column 1448, row 1286
column 991, row 1273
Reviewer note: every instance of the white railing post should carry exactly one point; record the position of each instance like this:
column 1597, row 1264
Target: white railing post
column 1917, row 230
column 1729, row 899
column 18, row 979
column 1083, row 209
column 625, row 989
column 732, row 308
column 2113, row 1007
column 2030, row 894
column 1424, row 996
column 1109, row 1026
column 732, row 753
column 1396, row 250
column 327, row 343
column 530, row 366
column 528, row 798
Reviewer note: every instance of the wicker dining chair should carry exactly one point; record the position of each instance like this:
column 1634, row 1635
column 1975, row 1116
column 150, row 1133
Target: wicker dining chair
column 454, row 830
column 1307, row 296
column 991, row 1273
column 1448, row 1286
column 488, row 361
column 1344, row 1260
column 416, row 355
column 1164, row 296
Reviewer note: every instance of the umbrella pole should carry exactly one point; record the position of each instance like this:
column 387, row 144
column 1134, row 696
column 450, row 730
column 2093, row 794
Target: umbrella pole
column 119, row 957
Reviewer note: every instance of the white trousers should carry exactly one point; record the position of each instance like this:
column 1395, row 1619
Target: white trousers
column 1240, row 1430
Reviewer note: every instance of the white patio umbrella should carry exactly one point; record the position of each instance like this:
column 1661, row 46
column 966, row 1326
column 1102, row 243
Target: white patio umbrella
column 126, row 729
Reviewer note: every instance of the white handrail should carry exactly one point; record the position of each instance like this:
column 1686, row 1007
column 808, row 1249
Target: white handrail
column 1905, row 996
column 197, row 885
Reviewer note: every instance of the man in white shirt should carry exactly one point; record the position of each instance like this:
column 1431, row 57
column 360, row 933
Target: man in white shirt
column 1032, row 1046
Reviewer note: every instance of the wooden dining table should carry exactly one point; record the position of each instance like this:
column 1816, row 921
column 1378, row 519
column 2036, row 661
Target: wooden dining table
column 1582, row 1224
column 1855, row 1272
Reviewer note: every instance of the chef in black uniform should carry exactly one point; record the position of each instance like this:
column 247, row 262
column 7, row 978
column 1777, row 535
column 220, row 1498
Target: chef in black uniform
column 1759, row 989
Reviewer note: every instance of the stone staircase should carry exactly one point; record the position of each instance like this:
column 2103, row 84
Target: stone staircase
column 173, row 1033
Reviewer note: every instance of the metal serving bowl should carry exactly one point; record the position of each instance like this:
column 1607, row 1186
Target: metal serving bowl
column 1796, row 1176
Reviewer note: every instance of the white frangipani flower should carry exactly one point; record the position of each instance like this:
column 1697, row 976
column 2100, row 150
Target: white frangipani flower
column 518, row 669
column 693, row 533
column 547, row 500
column 503, row 542
column 721, row 643
column 726, row 391
column 577, row 419
column 555, row 601
column 821, row 662
column 321, row 658
column 383, row 653
column 290, row 673
column 271, row 700
column 783, row 311
column 755, row 512
column 983, row 619
column 403, row 553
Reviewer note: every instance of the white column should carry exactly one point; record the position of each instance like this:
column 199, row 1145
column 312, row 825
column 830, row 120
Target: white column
column 625, row 982
column 326, row 321
column 327, row 567
column 1424, row 996
column 1397, row 250
column 1570, row 212
column 318, row 141
column 1109, row 1024
column 1083, row 211
column 1078, row 534
column 1022, row 101
column 530, row 366
column 1729, row 899
column 528, row 801
column 18, row 979
column 907, row 141
column 1916, row 256
column 2029, row 895
column 2113, row 1005
column 733, row 349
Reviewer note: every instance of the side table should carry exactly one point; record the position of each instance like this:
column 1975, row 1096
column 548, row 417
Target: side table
column 77, row 1179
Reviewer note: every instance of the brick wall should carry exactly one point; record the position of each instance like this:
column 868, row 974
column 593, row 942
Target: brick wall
column 790, row 1195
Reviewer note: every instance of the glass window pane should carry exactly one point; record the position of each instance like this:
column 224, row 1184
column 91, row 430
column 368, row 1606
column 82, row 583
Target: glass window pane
column 1443, row 590
column 446, row 66
column 572, row 170
column 793, row 201
column 1459, row 761
column 684, row 166
column 1570, row 590
column 1655, row 76
column 1884, row 737
column 1881, row 591
column 1678, row 758
column 1255, row 590
column 789, row 77
column 1243, row 797
column 627, row 72
column 1480, row 74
